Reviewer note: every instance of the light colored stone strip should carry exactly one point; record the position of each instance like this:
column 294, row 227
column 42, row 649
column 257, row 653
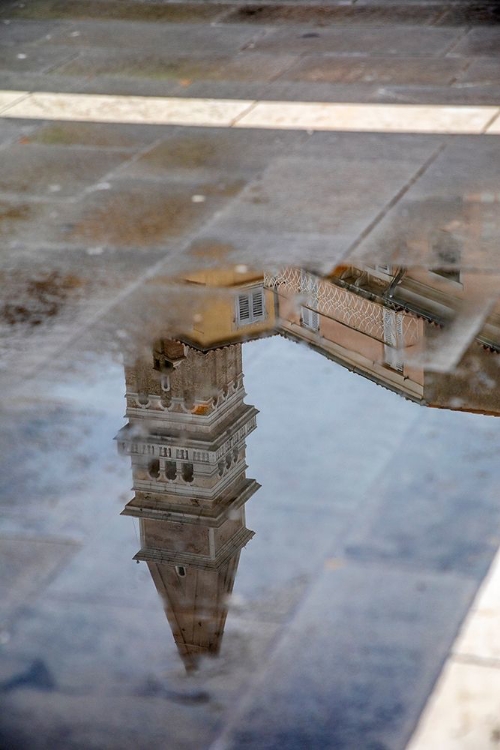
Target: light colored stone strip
column 145, row 110
column 8, row 98
column 381, row 118
column 463, row 712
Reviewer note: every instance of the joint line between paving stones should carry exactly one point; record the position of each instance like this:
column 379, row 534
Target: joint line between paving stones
column 243, row 114
column 395, row 199
column 455, row 42
column 115, row 172
column 22, row 97
column 61, row 63
column 490, row 123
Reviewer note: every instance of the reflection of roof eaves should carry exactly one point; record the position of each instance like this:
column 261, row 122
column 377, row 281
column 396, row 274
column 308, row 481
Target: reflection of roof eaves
column 393, row 303
column 239, row 338
column 146, row 506
column 181, row 435
column 429, row 317
column 468, row 410
column 490, row 346
column 230, row 548
column 352, row 368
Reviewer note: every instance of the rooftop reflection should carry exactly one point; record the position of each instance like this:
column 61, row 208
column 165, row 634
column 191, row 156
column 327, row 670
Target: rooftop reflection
column 431, row 335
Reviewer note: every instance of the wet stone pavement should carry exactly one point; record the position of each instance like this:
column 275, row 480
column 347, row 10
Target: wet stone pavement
column 250, row 376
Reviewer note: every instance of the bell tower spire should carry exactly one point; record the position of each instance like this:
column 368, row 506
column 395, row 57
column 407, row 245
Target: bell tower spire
column 186, row 438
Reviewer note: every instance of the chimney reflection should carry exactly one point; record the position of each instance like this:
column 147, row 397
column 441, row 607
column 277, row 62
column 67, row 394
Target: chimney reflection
column 186, row 439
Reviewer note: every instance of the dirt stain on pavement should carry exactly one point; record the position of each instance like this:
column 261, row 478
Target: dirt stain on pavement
column 33, row 301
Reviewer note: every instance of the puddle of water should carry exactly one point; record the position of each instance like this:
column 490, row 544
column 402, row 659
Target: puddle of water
column 266, row 462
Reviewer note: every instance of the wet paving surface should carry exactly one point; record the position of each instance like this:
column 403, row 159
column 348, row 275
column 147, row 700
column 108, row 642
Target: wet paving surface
column 249, row 435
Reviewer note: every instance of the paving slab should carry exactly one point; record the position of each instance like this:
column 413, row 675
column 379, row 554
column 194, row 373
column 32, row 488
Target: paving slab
column 460, row 183
column 318, row 202
column 10, row 131
column 480, row 43
column 155, row 37
column 36, row 81
column 29, row 563
column 203, row 153
column 145, row 213
column 124, row 86
column 479, row 640
column 19, row 32
column 106, row 135
column 376, row 41
column 412, row 536
column 464, row 712
column 454, row 95
column 331, row 15
column 482, row 70
column 36, row 170
column 378, row 676
column 30, row 59
column 339, row 70
column 481, row 13
column 124, row 11
column 178, row 66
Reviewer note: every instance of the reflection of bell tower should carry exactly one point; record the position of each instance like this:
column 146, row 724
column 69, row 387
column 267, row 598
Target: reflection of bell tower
column 186, row 439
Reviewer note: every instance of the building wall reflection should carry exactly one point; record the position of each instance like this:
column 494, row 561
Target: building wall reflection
column 429, row 334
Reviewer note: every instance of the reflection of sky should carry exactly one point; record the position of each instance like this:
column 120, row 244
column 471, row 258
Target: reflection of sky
column 384, row 477
column 323, row 435
column 321, row 429
column 355, row 480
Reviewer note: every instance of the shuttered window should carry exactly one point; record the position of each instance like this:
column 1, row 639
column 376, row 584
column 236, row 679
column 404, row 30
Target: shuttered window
column 393, row 340
column 309, row 318
column 250, row 307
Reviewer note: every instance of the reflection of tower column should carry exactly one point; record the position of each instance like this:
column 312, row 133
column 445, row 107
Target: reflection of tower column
column 186, row 438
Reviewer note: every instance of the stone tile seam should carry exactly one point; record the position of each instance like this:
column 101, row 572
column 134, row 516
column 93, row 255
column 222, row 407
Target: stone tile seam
column 495, row 120
column 395, row 199
column 243, row 114
column 461, row 35
column 114, row 173
column 54, row 67
column 23, row 95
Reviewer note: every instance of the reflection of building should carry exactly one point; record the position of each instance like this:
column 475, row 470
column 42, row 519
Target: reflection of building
column 188, row 422
column 430, row 335
column 394, row 326
column 235, row 307
column 186, row 439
